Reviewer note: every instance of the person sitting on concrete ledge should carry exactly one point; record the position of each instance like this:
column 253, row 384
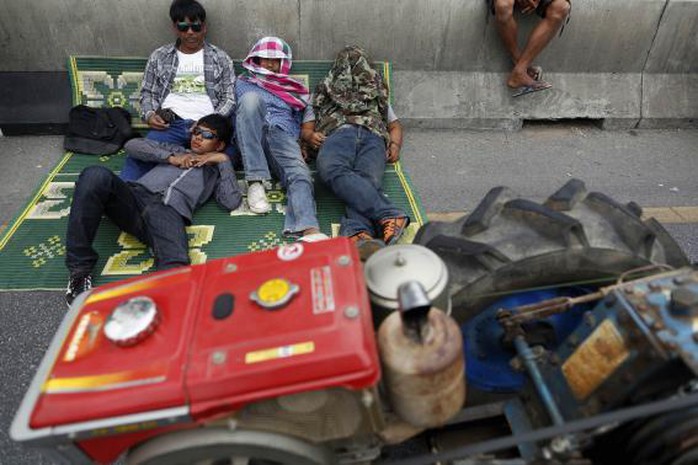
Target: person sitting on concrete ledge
column 525, row 77
column 158, row 206
column 183, row 82
column 270, row 107
column 357, row 133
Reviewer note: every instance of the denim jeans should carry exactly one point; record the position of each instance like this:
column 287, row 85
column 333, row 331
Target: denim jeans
column 177, row 133
column 268, row 149
column 351, row 162
column 135, row 210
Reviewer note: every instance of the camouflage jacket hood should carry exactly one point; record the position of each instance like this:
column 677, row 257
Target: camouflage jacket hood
column 352, row 93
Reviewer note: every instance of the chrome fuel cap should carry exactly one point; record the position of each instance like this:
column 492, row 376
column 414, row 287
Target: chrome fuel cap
column 392, row 266
column 132, row 321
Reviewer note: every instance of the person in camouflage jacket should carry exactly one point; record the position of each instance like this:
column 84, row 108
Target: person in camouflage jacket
column 356, row 132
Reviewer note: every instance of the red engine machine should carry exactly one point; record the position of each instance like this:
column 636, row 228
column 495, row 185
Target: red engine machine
column 270, row 355
column 278, row 357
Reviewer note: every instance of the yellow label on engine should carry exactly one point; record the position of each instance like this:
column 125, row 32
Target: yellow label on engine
column 280, row 352
column 595, row 360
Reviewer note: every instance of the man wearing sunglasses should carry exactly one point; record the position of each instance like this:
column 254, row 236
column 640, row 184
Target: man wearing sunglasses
column 183, row 82
column 158, row 206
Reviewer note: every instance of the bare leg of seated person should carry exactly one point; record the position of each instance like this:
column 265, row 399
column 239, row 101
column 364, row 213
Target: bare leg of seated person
column 540, row 37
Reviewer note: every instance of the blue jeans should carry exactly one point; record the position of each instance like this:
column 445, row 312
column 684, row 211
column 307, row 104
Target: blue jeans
column 177, row 133
column 268, row 149
column 135, row 210
column 352, row 163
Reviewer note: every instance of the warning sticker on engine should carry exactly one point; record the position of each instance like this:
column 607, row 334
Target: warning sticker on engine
column 322, row 290
column 595, row 360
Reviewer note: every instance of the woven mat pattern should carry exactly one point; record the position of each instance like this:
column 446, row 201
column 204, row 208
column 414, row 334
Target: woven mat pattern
column 109, row 82
column 32, row 247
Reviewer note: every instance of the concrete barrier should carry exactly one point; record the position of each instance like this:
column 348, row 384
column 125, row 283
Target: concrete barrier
column 626, row 63
column 622, row 63
column 670, row 76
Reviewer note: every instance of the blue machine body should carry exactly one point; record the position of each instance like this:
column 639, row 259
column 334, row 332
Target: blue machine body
column 488, row 360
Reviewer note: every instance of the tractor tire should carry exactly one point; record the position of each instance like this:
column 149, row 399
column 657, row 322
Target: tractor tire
column 510, row 244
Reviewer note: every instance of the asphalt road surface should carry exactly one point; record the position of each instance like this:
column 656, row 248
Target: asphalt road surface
column 452, row 171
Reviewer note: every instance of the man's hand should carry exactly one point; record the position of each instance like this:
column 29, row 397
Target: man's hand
column 315, row 139
column 192, row 160
column 211, row 158
column 528, row 6
column 155, row 121
column 181, row 160
column 393, row 152
column 311, row 140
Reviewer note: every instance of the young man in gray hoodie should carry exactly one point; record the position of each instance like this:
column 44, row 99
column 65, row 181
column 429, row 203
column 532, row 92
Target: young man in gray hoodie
column 156, row 207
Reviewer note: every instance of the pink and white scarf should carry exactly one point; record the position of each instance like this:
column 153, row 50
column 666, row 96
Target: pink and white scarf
column 280, row 84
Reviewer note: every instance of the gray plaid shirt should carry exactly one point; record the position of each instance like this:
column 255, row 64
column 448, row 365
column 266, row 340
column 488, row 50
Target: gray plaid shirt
column 161, row 70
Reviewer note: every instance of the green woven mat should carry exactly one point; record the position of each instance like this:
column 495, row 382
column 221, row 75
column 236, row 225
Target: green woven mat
column 32, row 248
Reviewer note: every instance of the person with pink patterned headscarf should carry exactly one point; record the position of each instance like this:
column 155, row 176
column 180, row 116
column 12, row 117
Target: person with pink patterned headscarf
column 270, row 108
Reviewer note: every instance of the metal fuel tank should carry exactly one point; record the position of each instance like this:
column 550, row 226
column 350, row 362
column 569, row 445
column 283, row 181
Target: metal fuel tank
column 421, row 350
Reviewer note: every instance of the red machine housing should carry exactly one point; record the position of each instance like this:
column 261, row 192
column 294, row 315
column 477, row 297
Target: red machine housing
column 229, row 332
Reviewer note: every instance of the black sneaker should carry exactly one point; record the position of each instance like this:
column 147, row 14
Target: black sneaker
column 76, row 286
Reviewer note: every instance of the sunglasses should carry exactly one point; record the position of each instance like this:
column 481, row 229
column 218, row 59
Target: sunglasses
column 184, row 26
column 204, row 133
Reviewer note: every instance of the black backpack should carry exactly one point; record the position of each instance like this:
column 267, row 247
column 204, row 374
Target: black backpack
column 98, row 131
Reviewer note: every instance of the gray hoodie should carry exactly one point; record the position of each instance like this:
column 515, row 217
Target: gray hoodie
column 185, row 190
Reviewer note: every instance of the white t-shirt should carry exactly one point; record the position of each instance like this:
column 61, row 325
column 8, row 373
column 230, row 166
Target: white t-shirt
column 188, row 97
